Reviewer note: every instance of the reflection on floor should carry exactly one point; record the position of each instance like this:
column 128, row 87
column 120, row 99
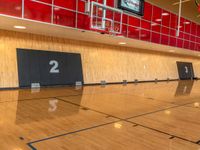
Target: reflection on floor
column 143, row 116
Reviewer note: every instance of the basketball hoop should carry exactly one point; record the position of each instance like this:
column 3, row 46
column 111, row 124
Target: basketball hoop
column 105, row 19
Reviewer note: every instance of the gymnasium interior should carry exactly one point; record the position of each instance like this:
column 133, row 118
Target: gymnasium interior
column 99, row 74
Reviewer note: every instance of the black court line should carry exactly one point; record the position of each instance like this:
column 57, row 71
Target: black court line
column 174, row 136
column 149, row 98
column 30, row 144
column 198, row 142
column 124, row 118
column 176, row 106
column 38, row 98
column 88, row 108
column 120, row 119
column 127, row 119
column 163, row 101
column 71, row 90
column 197, row 107
column 173, row 107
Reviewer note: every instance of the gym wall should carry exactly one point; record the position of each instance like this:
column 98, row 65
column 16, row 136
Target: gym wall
column 100, row 62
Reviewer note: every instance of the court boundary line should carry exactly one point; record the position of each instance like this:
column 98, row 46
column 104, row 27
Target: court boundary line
column 158, row 99
column 30, row 144
column 127, row 119
column 173, row 107
column 174, row 136
column 120, row 119
column 29, row 99
column 182, row 105
column 88, row 108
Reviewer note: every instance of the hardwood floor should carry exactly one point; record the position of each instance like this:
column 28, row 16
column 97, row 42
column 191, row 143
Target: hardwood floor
column 118, row 105
column 183, row 122
column 121, row 135
column 144, row 116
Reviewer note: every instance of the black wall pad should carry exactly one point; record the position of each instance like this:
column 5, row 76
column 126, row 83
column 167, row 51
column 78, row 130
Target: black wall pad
column 48, row 68
column 185, row 70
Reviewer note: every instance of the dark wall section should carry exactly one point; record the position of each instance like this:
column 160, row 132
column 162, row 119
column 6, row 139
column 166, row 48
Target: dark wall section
column 185, row 70
column 48, row 68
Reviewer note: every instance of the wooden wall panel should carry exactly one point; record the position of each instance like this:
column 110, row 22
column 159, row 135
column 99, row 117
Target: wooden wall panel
column 100, row 62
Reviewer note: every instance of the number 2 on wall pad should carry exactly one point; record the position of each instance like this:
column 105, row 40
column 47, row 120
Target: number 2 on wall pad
column 54, row 68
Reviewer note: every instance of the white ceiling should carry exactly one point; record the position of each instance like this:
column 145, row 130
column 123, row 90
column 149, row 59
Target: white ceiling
column 189, row 8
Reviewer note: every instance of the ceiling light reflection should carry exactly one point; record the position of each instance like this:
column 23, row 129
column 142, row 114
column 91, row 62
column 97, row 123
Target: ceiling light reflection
column 117, row 125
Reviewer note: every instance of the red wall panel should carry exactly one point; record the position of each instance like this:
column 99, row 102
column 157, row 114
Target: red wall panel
column 165, row 39
column 145, row 35
column 83, row 21
column 46, row 1
column 172, row 41
column 157, row 15
column 64, row 17
column 133, row 32
column 81, row 6
column 11, row 7
column 124, row 30
column 165, row 18
column 133, row 21
column 155, row 37
column 70, row 4
column 148, row 11
column 37, row 11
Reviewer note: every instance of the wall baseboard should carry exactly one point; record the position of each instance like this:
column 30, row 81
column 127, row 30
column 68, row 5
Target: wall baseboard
column 92, row 84
column 128, row 82
column 9, row 88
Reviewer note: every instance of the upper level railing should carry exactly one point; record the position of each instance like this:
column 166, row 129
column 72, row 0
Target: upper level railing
column 156, row 26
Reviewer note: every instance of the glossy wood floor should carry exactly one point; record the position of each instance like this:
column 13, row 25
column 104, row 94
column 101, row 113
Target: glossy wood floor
column 144, row 116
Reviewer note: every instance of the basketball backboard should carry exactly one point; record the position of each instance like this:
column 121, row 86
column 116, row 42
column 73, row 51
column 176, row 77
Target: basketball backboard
column 105, row 19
